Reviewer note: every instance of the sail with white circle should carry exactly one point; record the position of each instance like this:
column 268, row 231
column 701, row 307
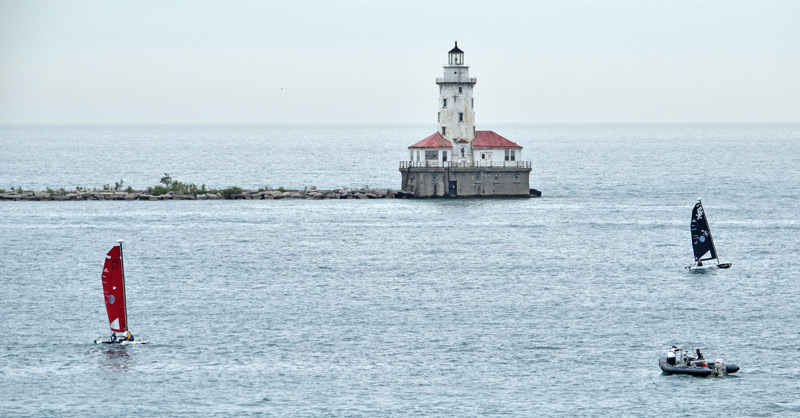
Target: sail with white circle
column 114, row 290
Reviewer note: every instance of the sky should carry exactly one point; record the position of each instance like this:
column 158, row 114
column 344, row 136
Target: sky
column 319, row 62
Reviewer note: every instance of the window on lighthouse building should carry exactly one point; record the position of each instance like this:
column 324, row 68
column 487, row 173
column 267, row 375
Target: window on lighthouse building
column 444, row 130
column 444, row 103
column 460, row 117
column 511, row 155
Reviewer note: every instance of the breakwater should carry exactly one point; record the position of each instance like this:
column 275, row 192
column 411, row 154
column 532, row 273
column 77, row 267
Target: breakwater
column 239, row 194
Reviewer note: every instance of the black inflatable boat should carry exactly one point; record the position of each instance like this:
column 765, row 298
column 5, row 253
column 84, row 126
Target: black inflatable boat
column 700, row 368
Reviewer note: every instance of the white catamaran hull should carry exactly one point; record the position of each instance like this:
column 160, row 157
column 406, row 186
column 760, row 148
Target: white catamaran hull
column 710, row 267
column 119, row 342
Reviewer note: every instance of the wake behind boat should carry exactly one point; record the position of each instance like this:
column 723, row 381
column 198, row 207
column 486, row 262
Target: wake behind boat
column 113, row 278
column 702, row 242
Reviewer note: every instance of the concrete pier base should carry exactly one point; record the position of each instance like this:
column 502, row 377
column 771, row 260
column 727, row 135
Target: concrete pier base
column 490, row 181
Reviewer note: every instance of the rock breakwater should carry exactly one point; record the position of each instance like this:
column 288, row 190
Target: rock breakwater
column 75, row 195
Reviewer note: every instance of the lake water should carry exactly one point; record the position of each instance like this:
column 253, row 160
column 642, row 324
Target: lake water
column 553, row 306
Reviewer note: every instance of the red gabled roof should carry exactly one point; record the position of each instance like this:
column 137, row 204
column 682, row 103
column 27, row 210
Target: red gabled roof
column 489, row 139
column 462, row 141
column 434, row 141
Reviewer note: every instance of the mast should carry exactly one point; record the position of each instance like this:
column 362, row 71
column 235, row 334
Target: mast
column 124, row 299
column 710, row 237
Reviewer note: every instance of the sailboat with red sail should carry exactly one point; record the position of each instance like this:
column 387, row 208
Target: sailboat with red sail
column 113, row 278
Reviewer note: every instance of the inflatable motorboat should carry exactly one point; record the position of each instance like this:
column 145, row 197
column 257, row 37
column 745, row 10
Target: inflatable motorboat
column 685, row 363
column 717, row 367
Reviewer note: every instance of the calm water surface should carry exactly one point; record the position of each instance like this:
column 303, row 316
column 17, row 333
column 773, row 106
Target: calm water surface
column 552, row 306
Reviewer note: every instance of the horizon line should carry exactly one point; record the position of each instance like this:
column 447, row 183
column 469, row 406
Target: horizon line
column 44, row 124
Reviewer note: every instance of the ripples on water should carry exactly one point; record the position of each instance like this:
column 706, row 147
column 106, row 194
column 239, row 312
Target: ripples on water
column 559, row 305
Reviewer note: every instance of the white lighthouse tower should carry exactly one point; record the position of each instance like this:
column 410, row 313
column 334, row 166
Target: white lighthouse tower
column 457, row 105
column 457, row 160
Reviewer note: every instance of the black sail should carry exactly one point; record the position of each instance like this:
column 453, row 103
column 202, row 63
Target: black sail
column 701, row 234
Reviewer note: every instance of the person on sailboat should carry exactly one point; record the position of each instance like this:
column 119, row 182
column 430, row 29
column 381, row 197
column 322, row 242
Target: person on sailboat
column 699, row 262
column 671, row 356
column 113, row 337
column 128, row 336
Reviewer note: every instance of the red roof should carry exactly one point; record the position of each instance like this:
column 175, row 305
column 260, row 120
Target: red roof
column 462, row 141
column 434, row 141
column 489, row 139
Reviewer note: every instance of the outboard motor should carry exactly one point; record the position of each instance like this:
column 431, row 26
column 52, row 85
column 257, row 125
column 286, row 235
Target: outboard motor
column 719, row 367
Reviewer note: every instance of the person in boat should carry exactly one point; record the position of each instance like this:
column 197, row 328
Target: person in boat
column 128, row 336
column 671, row 356
column 699, row 263
column 699, row 355
column 113, row 337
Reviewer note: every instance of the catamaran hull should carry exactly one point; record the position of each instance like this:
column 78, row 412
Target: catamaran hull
column 694, row 371
column 710, row 267
column 119, row 342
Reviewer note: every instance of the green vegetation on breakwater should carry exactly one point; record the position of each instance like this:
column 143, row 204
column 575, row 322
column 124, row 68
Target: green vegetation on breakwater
column 170, row 189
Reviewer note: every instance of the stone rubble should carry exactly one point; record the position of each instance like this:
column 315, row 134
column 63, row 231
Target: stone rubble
column 262, row 194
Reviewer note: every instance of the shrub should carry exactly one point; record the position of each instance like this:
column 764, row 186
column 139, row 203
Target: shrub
column 281, row 189
column 166, row 180
column 157, row 190
column 230, row 191
column 129, row 189
column 170, row 185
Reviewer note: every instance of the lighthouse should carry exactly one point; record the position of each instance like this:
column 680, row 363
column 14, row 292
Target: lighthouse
column 457, row 105
column 459, row 160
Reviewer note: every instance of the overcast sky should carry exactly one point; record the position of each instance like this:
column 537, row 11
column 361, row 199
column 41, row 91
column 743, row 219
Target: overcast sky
column 376, row 62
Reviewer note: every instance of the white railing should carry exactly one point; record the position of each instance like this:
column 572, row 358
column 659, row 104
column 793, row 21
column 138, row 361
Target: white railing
column 481, row 163
column 465, row 80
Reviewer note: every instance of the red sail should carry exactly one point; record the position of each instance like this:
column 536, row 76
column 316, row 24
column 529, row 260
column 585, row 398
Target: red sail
column 114, row 291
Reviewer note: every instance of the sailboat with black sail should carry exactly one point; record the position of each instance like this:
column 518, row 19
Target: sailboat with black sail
column 705, row 252
column 113, row 278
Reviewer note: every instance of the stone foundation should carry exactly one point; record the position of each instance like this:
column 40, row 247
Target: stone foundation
column 425, row 182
